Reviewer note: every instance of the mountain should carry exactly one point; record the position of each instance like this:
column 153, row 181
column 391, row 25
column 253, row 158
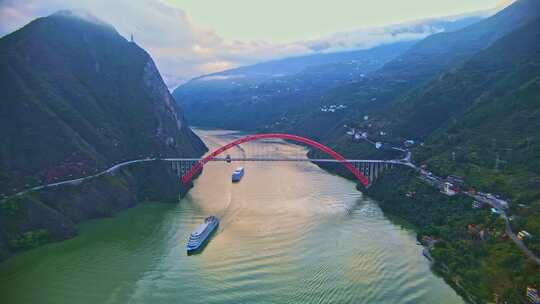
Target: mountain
column 489, row 76
column 75, row 98
column 272, row 91
column 438, row 52
column 265, row 91
column 288, row 94
column 294, row 65
column 482, row 110
column 415, row 68
column 480, row 121
column 479, row 110
column 486, row 110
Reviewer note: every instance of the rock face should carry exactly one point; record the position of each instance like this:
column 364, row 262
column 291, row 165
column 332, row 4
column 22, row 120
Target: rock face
column 75, row 98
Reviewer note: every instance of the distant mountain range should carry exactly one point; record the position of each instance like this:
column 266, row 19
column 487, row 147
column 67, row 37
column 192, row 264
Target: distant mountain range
column 297, row 64
column 288, row 94
column 267, row 90
column 414, row 69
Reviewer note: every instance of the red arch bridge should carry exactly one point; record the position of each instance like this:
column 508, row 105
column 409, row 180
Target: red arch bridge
column 365, row 171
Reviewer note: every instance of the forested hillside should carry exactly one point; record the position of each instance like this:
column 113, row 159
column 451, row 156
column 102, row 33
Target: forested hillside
column 415, row 69
column 479, row 120
column 76, row 98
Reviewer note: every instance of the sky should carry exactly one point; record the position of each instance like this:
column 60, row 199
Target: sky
column 188, row 38
column 291, row 20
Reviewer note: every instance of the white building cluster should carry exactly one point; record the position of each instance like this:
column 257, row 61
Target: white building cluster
column 333, row 108
column 357, row 134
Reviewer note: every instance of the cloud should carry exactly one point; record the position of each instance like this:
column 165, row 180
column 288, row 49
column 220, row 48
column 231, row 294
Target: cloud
column 221, row 77
column 319, row 46
column 505, row 3
column 364, row 38
column 183, row 50
column 180, row 49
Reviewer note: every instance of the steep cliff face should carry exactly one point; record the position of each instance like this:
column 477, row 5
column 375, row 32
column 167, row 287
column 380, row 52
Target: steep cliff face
column 75, row 98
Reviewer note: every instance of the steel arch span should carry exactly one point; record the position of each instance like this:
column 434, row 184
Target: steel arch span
column 186, row 178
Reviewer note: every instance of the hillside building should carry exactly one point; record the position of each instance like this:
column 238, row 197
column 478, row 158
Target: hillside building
column 522, row 235
column 532, row 295
column 449, row 189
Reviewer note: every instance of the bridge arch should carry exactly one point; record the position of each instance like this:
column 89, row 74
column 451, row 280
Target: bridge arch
column 186, row 178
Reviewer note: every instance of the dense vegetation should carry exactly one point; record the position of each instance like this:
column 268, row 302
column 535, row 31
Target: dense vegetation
column 75, row 98
column 486, row 121
column 472, row 253
column 481, row 121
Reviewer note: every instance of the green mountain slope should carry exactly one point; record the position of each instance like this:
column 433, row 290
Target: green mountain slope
column 491, row 135
column 77, row 97
column 417, row 67
column 441, row 51
column 479, row 120
column 489, row 75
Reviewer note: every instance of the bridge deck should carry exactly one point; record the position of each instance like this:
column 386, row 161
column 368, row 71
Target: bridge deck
column 321, row 160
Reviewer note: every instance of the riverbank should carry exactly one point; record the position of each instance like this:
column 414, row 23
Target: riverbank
column 472, row 252
column 51, row 214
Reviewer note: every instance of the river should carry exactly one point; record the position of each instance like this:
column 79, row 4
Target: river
column 289, row 233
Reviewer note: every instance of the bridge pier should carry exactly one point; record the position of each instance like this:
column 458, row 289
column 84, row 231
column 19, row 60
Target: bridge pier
column 174, row 167
column 372, row 169
column 185, row 166
column 182, row 167
column 371, row 173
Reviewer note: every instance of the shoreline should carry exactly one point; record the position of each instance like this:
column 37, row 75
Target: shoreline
column 51, row 214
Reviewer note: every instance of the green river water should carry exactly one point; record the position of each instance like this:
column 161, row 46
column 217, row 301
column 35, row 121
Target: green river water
column 289, row 233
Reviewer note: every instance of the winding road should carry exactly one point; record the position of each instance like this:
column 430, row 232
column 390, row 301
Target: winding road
column 508, row 227
column 77, row 181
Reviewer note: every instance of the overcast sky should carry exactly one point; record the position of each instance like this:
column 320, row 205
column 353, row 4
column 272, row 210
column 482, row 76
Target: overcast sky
column 188, row 38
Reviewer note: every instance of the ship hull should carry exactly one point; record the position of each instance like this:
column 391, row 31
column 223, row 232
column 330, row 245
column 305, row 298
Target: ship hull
column 203, row 243
column 237, row 175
